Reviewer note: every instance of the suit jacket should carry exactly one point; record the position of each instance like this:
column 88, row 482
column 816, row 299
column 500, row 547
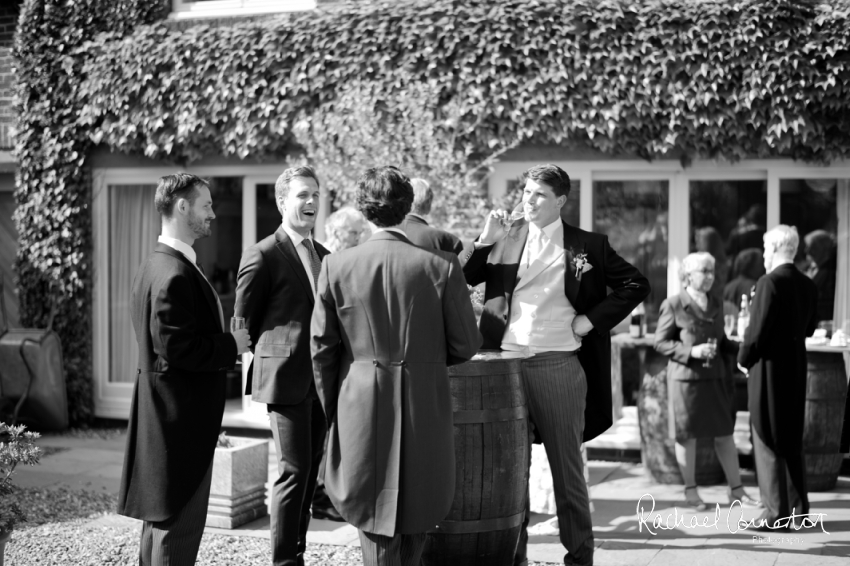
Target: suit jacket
column 178, row 398
column 274, row 296
column 681, row 326
column 424, row 236
column 497, row 266
column 783, row 312
column 389, row 318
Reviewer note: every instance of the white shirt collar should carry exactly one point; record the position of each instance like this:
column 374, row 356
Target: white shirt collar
column 548, row 231
column 294, row 236
column 180, row 246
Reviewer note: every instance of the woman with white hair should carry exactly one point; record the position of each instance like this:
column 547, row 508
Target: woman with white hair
column 700, row 399
column 345, row 228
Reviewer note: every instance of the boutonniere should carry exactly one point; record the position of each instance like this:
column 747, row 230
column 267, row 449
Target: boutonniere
column 581, row 264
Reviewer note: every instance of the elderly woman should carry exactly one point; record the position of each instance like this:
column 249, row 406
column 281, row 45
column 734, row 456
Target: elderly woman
column 345, row 228
column 700, row 400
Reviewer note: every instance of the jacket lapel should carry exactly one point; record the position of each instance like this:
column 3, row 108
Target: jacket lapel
column 285, row 247
column 206, row 288
column 572, row 245
column 512, row 252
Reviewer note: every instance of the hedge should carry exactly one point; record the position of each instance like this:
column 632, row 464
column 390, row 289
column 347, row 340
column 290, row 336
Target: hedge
column 704, row 79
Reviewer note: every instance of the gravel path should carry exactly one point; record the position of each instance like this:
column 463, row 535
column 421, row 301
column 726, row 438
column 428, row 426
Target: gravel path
column 60, row 532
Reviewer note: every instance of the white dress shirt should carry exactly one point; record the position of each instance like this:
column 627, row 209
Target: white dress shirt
column 303, row 254
column 190, row 254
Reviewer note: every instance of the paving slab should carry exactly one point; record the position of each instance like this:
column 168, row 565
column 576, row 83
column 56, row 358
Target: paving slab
column 713, row 557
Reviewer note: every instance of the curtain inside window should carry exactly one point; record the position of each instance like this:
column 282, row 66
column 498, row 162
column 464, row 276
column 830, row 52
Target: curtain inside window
column 134, row 225
column 841, row 314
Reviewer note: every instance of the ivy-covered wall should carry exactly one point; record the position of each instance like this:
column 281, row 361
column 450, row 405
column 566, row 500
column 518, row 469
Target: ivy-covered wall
column 709, row 79
column 53, row 192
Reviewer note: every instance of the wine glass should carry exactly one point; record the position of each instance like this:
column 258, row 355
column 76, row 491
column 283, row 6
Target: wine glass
column 237, row 323
column 713, row 343
column 515, row 215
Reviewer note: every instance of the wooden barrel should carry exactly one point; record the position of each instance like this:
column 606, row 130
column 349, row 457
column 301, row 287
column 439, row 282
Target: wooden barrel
column 826, row 390
column 492, row 458
column 657, row 449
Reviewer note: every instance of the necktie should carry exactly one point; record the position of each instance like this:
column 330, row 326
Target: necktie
column 315, row 262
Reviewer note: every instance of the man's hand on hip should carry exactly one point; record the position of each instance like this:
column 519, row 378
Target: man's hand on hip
column 582, row 325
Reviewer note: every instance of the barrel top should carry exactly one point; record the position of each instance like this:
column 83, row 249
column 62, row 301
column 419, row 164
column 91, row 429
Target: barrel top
column 493, row 355
column 827, row 349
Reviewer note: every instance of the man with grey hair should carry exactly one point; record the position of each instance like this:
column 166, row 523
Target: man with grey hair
column 275, row 293
column 416, row 227
column 782, row 314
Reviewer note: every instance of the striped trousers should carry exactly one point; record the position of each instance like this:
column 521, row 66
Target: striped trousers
column 175, row 541
column 398, row 550
column 556, row 388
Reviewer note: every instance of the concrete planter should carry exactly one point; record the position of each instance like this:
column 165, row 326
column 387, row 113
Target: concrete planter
column 238, row 491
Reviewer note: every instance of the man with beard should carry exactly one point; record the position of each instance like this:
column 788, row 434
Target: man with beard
column 275, row 292
column 179, row 395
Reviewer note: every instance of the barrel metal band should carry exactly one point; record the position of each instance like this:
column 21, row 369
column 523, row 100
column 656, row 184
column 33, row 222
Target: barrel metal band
column 479, row 526
column 490, row 415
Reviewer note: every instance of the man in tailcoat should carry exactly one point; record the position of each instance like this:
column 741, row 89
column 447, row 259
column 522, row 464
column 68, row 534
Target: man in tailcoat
column 389, row 318
column 783, row 312
column 178, row 398
column 275, row 293
column 546, row 294
column 416, row 228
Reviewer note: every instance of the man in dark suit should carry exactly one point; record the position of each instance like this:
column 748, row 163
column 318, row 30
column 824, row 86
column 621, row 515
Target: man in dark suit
column 782, row 314
column 275, row 292
column 178, row 398
column 416, row 227
column 389, row 318
column 525, row 264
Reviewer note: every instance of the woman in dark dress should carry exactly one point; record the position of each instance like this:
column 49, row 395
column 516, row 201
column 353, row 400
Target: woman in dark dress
column 700, row 397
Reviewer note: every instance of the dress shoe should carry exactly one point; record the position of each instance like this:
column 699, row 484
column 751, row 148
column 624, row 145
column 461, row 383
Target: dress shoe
column 327, row 513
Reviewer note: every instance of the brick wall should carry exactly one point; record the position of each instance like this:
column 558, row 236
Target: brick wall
column 8, row 22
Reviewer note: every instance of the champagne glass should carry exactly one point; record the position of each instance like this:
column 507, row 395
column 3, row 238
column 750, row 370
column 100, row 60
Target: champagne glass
column 515, row 215
column 237, row 323
column 713, row 350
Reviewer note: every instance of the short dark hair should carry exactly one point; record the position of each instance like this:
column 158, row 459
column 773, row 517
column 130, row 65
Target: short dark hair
column 384, row 196
column 553, row 176
column 171, row 188
column 281, row 186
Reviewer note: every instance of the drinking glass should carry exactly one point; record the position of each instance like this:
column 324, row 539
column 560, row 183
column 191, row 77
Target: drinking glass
column 515, row 215
column 729, row 321
column 713, row 343
column 237, row 323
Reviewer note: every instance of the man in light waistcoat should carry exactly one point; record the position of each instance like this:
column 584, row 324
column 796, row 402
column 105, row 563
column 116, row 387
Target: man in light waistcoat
column 546, row 295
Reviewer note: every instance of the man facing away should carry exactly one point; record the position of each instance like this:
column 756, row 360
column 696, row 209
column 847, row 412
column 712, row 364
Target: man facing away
column 783, row 312
column 178, row 398
column 546, row 295
column 416, row 228
column 275, row 292
column 389, row 318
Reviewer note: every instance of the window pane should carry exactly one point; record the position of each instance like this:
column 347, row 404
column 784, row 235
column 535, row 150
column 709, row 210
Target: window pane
column 633, row 214
column 810, row 205
column 134, row 225
column 728, row 221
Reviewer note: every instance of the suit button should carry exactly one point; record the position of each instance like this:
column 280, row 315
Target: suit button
column 535, row 296
column 374, row 362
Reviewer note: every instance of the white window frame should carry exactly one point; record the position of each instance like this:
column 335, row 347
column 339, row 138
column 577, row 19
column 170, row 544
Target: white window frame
column 186, row 9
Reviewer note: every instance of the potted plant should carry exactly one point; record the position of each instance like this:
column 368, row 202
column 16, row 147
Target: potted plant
column 238, row 489
column 16, row 447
